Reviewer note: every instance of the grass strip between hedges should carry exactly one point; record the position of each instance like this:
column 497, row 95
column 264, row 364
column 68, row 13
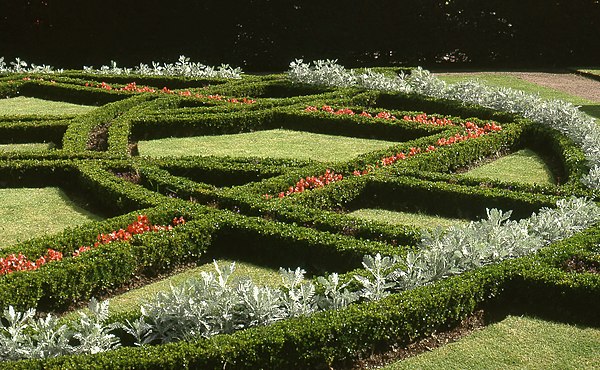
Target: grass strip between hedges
column 265, row 144
column 31, row 212
column 515, row 342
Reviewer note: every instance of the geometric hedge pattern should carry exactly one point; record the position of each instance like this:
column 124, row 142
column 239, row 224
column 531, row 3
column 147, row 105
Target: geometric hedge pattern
column 282, row 212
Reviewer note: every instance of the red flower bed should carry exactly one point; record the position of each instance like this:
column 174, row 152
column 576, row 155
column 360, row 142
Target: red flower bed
column 472, row 131
column 350, row 112
column 311, row 182
column 429, row 120
column 142, row 225
column 133, row 87
column 12, row 262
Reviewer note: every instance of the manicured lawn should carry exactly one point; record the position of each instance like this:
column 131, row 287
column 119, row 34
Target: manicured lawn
column 406, row 218
column 513, row 82
column 522, row 166
column 24, row 147
column 133, row 299
column 515, row 343
column 23, row 106
column 265, row 144
column 497, row 79
column 29, row 212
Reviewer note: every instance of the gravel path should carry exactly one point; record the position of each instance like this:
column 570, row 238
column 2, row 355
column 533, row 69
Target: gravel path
column 570, row 83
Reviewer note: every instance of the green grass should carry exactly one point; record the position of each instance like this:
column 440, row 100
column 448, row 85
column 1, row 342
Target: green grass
column 266, row 144
column 522, row 166
column 24, row 147
column 503, row 80
column 133, row 299
column 24, row 106
column 590, row 71
column 29, row 212
column 406, row 218
column 513, row 82
column 515, row 343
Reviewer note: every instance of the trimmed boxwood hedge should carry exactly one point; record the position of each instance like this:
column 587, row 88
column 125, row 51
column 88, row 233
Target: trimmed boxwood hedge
column 229, row 213
column 337, row 338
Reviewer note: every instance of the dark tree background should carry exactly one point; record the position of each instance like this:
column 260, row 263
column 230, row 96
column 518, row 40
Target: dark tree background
column 268, row 34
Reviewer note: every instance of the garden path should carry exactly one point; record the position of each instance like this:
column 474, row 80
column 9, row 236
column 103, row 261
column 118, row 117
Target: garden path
column 571, row 83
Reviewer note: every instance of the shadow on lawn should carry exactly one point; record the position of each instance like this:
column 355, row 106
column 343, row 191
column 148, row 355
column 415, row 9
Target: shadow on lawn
column 592, row 110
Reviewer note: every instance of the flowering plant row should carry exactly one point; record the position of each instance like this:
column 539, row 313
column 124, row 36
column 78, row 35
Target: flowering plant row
column 311, row 182
column 13, row 262
column 349, row 112
column 429, row 120
column 422, row 118
column 142, row 225
column 20, row 262
column 472, row 131
column 133, row 87
column 557, row 114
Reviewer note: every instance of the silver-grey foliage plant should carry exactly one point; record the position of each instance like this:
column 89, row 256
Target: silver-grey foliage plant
column 556, row 114
column 182, row 68
column 216, row 303
column 21, row 66
column 23, row 336
column 462, row 248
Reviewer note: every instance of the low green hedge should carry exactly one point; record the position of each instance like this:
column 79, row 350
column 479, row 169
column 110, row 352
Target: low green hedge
column 338, row 338
column 32, row 131
column 568, row 157
column 295, row 118
column 78, row 134
column 279, row 244
column 226, row 171
column 427, row 104
column 114, row 194
column 9, row 88
column 154, row 81
column 234, row 218
column 269, row 87
column 146, row 128
column 32, row 172
column 61, row 284
column 70, row 93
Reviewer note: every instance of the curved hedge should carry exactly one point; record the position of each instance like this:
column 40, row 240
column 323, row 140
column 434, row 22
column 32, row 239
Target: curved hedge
column 232, row 208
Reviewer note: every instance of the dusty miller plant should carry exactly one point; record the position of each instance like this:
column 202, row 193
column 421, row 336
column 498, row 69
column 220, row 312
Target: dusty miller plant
column 92, row 334
column 299, row 299
column 336, row 294
column 23, row 336
column 21, row 66
column 496, row 238
column 378, row 284
column 217, row 303
column 182, row 68
column 328, row 73
column 556, row 114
